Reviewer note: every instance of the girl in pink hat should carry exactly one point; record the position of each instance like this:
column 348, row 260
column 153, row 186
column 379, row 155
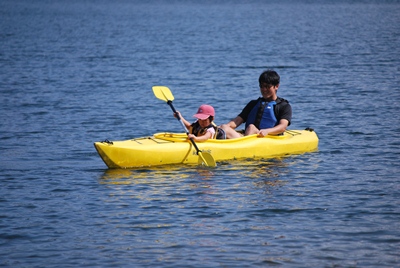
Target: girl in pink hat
column 203, row 128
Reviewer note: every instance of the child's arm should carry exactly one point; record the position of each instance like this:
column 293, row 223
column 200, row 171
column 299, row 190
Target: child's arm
column 185, row 122
column 205, row 137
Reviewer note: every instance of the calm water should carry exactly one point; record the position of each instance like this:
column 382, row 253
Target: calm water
column 75, row 72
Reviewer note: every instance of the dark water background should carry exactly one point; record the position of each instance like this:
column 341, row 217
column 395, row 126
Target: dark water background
column 75, row 72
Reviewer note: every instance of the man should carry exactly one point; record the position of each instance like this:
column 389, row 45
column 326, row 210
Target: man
column 268, row 114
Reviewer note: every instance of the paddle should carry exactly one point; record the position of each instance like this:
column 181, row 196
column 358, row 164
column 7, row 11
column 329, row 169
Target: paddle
column 165, row 94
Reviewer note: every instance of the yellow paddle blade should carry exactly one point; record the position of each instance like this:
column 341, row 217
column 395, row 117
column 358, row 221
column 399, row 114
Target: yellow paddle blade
column 163, row 93
column 206, row 159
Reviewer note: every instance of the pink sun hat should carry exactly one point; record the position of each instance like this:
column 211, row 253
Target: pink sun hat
column 204, row 112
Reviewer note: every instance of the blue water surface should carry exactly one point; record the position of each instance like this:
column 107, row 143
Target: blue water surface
column 76, row 72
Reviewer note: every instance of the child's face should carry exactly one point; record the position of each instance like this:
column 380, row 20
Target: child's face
column 205, row 122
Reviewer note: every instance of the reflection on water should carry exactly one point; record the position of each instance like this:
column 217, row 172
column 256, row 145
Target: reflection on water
column 230, row 181
column 262, row 172
column 155, row 187
column 142, row 175
column 176, row 182
column 159, row 173
column 249, row 168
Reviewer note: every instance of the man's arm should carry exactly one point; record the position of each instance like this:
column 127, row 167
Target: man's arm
column 278, row 129
column 234, row 123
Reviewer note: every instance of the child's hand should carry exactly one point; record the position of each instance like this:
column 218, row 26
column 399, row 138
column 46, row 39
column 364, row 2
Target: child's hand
column 191, row 136
column 176, row 114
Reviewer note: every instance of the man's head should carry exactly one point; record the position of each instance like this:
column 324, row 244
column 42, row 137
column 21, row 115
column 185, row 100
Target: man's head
column 269, row 78
column 269, row 84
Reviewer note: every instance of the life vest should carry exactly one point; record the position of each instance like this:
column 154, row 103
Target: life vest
column 262, row 115
column 198, row 130
column 219, row 132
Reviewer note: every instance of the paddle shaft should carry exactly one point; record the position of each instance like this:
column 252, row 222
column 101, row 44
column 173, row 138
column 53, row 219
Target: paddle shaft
column 183, row 125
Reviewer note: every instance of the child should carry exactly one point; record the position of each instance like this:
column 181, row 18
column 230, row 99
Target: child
column 203, row 128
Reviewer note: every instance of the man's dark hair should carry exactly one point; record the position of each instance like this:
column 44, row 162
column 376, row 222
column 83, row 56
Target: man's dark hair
column 269, row 77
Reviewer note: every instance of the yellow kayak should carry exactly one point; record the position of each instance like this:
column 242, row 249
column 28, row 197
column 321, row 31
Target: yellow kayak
column 175, row 148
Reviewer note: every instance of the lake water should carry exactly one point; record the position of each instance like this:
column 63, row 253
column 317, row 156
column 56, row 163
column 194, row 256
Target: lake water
column 76, row 72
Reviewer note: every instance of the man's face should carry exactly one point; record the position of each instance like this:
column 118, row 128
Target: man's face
column 268, row 91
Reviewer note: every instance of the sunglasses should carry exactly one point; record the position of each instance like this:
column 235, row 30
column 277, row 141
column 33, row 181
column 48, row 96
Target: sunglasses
column 267, row 86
